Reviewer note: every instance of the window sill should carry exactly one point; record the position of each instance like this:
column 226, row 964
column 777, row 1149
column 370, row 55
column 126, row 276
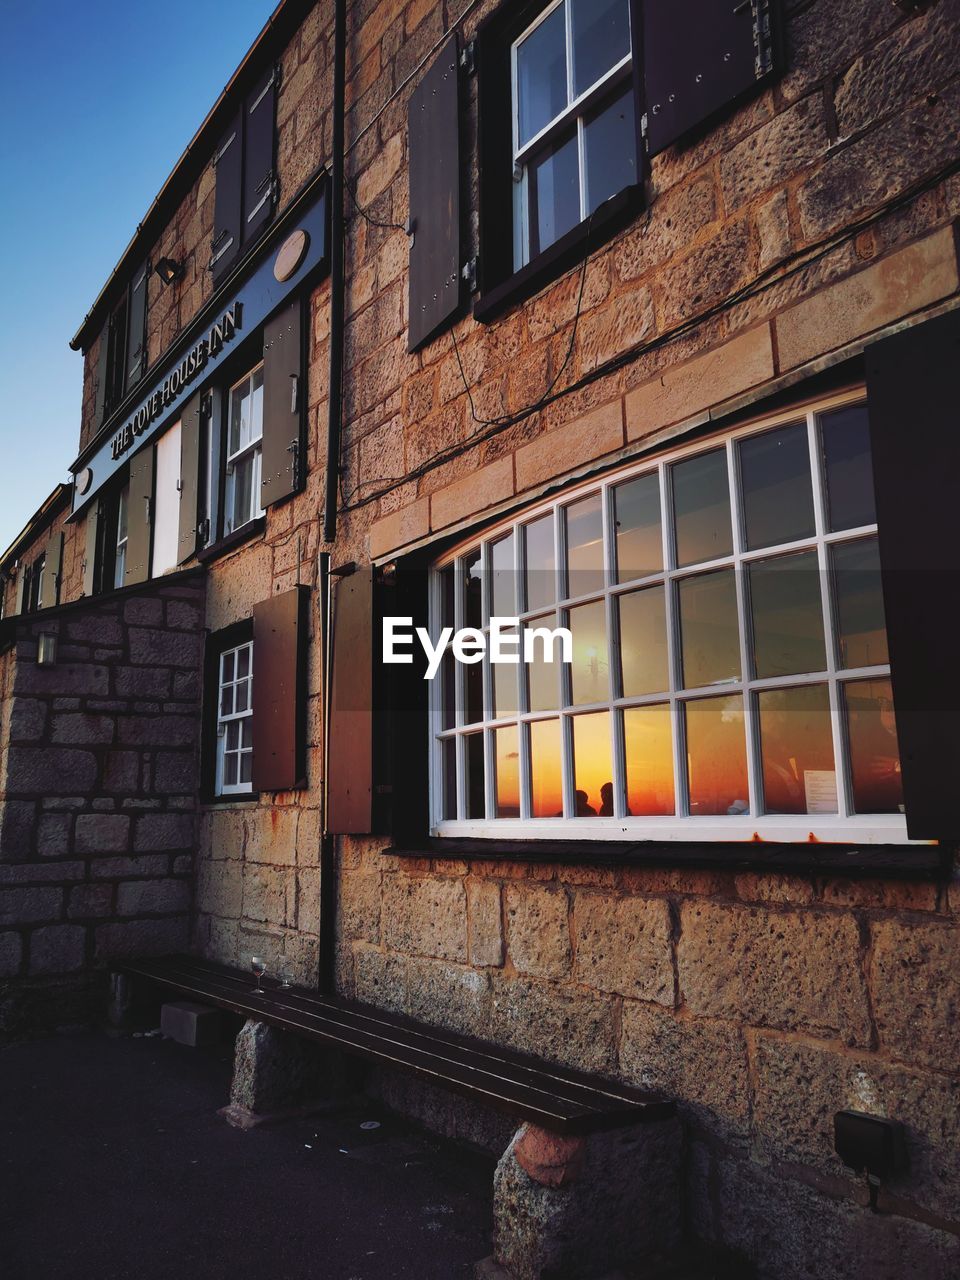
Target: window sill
column 246, row 533
column 237, row 798
column 904, row 862
column 570, row 249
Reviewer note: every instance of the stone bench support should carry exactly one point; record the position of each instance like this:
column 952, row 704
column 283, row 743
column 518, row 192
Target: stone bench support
column 277, row 1074
column 583, row 1206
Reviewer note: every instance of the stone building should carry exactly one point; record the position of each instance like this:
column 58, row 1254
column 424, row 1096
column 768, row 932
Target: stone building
column 636, row 321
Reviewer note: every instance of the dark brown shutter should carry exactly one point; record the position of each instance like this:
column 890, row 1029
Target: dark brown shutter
column 433, row 123
column 102, row 359
column 350, row 755
column 91, row 541
column 700, row 56
column 137, row 327
column 228, row 160
column 190, row 435
column 283, row 395
column 50, row 587
column 913, row 389
column 22, row 576
column 259, row 175
column 139, row 517
column 280, row 634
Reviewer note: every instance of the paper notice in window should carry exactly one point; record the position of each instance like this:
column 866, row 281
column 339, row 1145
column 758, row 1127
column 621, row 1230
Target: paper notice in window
column 820, row 787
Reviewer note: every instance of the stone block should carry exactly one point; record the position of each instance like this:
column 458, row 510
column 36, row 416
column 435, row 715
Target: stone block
column 903, row 282
column 148, row 897
column 102, row 833
column 53, row 834
column 17, row 828
column 359, row 906
column 915, row 988
column 57, row 948
column 425, row 916
column 270, row 835
column 147, row 612
column 480, row 489
column 89, row 901
column 590, row 437
column 268, row 894
column 116, row 868
column 485, row 923
column 95, row 628
column 163, row 831
column 46, row 770
column 67, row 679
column 121, row 771
column 29, row 905
column 538, row 930
column 774, row 153
column 195, row 1025
column 624, row 946
column 400, row 527
column 702, row 1064
column 11, row 954
column 594, row 1204
column 785, row 969
column 183, row 615
column 308, row 899
column 152, row 647
column 236, row 584
column 141, row 682
column 220, row 887
column 156, row 731
column 554, row 1022
column 28, row 718
column 684, row 390
column 274, row 1070
column 154, row 937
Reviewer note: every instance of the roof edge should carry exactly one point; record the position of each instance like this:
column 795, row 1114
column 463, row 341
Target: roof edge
column 45, row 514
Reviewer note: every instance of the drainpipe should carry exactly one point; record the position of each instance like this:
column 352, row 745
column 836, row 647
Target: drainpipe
column 326, row 976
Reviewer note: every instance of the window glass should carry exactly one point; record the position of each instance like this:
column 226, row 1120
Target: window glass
column 503, row 603
column 546, row 769
column 875, row 757
column 701, row 508
column 244, row 434
column 709, row 628
column 716, row 757
column 787, row 615
column 554, row 192
column 775, row 478
column 507, row 761
column 636, row 507
column 476, row 794
column 543, row 677
column 648, row 752
column 862, row 630
column 584, row 525
column 799, row 774
column 601, row 39
column 610, row 143
column 472, row 673
column 541, row 563
column 592, row 773
column 542, row 74
column 120, row 559
column 505, row 677
column 845, row 434
column 590, row 669
column 449, row 766
column 643, row 642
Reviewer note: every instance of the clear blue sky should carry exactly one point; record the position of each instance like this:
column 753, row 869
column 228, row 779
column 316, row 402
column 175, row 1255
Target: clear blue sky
column 98, row 98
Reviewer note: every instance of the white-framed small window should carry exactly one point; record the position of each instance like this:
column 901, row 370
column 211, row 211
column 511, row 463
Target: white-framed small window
column 574, row 119
column 244, row 441
column 730, row 676
column 120, row 558
column 235, row 720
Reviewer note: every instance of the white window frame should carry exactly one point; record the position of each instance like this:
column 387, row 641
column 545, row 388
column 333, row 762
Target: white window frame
column 252, row 448
column 244, row 717
column 844, row 827
column 120, row 556
column 576, row 109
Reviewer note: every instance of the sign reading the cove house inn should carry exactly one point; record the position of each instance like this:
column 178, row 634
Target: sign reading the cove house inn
column 189, row 368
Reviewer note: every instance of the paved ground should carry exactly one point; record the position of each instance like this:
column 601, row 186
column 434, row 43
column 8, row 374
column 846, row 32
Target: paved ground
column 115, row 1164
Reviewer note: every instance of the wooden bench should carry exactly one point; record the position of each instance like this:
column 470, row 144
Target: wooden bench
column 592, row 1178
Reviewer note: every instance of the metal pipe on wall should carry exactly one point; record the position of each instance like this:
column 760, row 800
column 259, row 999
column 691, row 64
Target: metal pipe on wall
column 335, row 387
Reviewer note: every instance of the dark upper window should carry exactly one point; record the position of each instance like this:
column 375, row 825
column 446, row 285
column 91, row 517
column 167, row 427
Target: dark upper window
column 123, row 349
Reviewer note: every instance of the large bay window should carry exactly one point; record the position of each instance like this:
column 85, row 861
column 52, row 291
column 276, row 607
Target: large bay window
column 730, row 677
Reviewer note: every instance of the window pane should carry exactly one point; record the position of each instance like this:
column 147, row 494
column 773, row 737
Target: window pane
column 476, row 801
column 590, row 669
column 716, row 756
column 507, row 744
column 243, row 662
column 472, row 690
column 710, row 635
column 242, row 695
column 503, row 603
column 859, row 595
column 239, row 433
column 542, row 75
column 849, row 470
column 799, row 773
column 243, row 478
column 233, row 735
column 601, row 38
column 505, row 676
column 541, row 563
column 448, row 699
column 591, row 765
column 543, row 678
column 448, row 751
column 246, row 767
column 546, row 769
column 636, row 512
column 553, row 193
column 226, row 700
column 231, row 763
column 447, row 587
column 610, row 139
column 701, row 507
column 787, row 615
column 775, row 477
column 122, row 514
column 874, row 754
column 648, row 743
column 584, row 528
column 473, row 591
column 643, row 642
column 256, row 406
column 226, row 671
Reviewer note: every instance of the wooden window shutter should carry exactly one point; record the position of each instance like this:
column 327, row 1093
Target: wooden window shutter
column 139, row 517
column 433, row 124
column 913, row 383
column 22, row 576
column 283, row 396
column 350, row 762
column 259, row 152
column 91, row 543
column 700, row 56
column 100, row 404
column 228, row 160
column 191, row 423
column 137, row 327
column 50, row 587
column 280, row 636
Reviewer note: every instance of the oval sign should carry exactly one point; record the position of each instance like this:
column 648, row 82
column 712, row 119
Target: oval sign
column 83, row 480
column 290, row 255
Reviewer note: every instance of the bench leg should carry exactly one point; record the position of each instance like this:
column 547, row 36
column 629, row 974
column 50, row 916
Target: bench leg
column 584, row 1206
column 276, row 1074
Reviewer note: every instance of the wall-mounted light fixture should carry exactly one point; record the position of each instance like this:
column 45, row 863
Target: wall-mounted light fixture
column 47, row 649
column 168, row 269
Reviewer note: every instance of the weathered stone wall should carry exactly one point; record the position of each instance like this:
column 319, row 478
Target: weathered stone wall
column 98, row 781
